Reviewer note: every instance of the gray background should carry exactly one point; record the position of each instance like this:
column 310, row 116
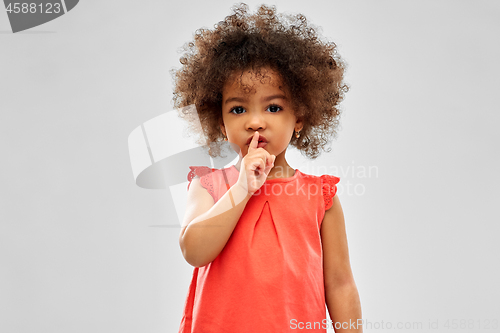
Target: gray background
column 78, row 248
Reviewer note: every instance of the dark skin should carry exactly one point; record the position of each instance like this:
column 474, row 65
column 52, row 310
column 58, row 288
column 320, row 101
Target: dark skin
column 266, row 109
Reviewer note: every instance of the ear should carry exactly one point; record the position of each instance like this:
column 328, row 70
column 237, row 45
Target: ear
column 299, row 125
column 223, row 128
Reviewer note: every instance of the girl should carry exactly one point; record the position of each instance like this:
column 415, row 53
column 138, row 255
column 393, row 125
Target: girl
column 267, row 241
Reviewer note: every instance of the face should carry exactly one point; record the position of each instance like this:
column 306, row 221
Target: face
column 262, row 107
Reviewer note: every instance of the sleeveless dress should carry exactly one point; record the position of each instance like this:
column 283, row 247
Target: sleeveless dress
column 269, row 276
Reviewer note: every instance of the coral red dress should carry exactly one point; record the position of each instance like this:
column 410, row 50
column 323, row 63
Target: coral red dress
column 269, row 276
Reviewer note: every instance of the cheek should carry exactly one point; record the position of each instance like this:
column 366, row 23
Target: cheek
column 225, row 122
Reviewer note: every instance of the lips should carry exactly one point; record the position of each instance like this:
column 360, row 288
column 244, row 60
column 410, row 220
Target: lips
column 261, row 139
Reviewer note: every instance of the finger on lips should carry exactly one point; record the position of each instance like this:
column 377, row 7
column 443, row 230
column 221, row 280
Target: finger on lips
column 268, row 158
column 255, row 140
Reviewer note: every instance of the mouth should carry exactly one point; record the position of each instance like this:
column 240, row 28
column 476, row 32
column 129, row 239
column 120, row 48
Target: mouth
column 261, row 139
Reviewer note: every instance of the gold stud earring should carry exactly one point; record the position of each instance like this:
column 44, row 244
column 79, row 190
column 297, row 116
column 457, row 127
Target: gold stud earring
column 297, row 134
column 225, row 138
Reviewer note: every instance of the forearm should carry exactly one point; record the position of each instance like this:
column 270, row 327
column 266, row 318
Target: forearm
column 344, row 307
column 205, row 236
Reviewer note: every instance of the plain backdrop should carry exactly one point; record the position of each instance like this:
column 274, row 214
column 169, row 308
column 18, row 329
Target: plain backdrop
column 81, row 245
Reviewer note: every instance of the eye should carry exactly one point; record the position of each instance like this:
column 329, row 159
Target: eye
column 238, row 110
column 274, row 108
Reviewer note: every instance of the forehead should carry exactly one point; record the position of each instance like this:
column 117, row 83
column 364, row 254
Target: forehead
column 246, row 81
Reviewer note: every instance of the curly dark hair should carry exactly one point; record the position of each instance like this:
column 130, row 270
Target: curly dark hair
column 309, row 67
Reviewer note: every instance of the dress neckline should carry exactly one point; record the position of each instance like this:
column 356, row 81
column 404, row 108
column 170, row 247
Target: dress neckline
column 276, row 180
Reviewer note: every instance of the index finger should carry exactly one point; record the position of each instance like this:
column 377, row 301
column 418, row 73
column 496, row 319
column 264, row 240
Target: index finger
column 255, row 142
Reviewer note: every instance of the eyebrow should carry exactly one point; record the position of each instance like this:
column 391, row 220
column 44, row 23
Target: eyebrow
column 265, row 99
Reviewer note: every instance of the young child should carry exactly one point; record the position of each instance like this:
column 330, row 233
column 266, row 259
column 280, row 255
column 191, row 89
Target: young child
column 267, row 241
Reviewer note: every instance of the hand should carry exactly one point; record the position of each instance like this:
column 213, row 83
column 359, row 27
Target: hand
column 255, row 166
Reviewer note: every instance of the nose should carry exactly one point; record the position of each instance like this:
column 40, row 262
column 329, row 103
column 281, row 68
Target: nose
column 255, row 121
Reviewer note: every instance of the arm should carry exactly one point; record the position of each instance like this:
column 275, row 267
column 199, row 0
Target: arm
column 208, row 226
column 342, row 298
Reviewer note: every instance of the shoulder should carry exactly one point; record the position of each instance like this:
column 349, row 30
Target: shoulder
column 329, row 182
column 213, row 180
column 329, row 188
column 326, row 181
column 198, row 171
column 199, row 176
column 206, row 174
